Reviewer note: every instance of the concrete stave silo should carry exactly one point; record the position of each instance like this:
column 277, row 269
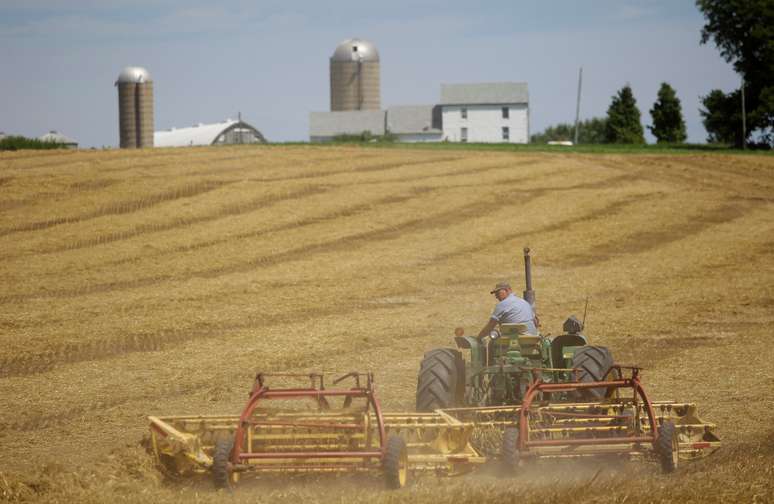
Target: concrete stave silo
column 135, row 108
column 354, row 69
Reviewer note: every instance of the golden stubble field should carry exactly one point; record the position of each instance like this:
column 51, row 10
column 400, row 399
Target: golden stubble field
column 159, row 282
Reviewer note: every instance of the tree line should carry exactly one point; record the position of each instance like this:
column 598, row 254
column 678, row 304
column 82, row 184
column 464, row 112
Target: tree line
column 622, row 123
column 743, row 31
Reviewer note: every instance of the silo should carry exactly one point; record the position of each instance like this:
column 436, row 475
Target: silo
column 135, row 108
column 355, row 76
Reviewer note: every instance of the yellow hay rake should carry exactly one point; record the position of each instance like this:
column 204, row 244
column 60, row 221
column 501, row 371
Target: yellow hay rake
column 304, row 429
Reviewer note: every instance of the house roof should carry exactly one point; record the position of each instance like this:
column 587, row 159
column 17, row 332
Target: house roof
column 484, row 93
column 351, row 122
column 412, row 119
column 198, row 134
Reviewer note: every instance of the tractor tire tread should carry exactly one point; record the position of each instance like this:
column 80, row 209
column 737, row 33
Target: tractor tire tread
column 441, row 382
column 594, row 362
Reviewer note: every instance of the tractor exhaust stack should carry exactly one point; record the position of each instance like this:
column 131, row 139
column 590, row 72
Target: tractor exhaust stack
column 529, row 294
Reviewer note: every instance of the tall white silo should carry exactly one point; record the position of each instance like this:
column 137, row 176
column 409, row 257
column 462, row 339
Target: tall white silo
column 135, row 108
column 355, row 76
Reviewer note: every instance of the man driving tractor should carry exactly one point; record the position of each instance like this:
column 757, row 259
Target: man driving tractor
column 510, row 309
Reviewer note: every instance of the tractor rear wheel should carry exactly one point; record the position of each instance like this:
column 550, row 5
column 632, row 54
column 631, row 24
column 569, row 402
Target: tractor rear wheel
column 441, row 381
column 510, row 455
column 395, row 464
column 668, row 447
column 221, row 475
column 593, row 363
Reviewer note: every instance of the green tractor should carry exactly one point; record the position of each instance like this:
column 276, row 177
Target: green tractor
column 501, row 366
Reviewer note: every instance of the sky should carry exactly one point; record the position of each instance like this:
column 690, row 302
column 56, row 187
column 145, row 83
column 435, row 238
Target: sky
column 268, row 59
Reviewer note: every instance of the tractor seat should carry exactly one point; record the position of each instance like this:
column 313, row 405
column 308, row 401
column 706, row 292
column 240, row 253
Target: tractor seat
column 513, row 331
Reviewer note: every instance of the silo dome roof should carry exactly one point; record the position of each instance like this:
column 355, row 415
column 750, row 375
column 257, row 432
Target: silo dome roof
column 134, row 74
column 355, row 49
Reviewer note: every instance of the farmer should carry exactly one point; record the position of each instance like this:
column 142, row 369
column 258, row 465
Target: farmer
column 510, row 310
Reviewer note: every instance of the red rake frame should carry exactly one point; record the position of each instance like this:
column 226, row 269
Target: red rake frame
column 261, row 392
column 529, row 447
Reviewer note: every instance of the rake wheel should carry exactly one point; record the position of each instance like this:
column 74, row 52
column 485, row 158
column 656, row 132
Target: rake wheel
column 593, row 362
column 395, row 463
column 441, row 381
column 510, row 451
column 668, row 447
column 221, row 475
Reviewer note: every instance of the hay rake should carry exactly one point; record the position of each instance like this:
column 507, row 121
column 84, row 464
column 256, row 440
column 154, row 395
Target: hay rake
column 303, row 430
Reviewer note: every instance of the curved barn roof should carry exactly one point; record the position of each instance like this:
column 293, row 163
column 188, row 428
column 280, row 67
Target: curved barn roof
column 199, row 134
column 55, row 136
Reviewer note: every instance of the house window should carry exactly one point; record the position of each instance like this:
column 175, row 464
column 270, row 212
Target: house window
column 464, row 113
column 463, row 134
column 506, row 112
column 506, row 133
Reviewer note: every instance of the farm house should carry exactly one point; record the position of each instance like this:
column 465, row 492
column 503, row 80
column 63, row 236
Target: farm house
column 485, row 112
column 223, row 133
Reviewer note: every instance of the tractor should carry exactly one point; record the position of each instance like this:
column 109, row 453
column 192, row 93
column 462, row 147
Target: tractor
column 501, row 366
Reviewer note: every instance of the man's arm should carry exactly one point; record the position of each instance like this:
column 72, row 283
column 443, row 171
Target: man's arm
column 487, row 328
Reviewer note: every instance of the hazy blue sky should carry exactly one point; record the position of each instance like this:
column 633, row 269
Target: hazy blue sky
column 269, row 59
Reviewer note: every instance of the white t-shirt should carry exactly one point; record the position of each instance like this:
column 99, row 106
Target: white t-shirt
column 514, row 310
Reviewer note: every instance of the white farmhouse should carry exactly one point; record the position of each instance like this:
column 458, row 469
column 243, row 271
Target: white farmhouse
column 485, row 112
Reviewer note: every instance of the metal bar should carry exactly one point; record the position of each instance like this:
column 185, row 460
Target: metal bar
column 586, row 415
column 313, row 393
column 305, row 425
column 310, row 455
column 626, row 383
column 591, row 441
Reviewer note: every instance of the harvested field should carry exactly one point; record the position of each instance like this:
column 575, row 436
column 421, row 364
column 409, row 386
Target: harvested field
column 160, row 281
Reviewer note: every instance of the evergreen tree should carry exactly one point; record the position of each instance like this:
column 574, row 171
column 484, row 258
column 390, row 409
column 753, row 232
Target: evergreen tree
column 668, row 124
column 623, row 119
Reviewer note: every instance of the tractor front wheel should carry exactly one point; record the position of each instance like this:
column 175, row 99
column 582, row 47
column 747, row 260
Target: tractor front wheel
column 395, row 463
column 510, row 451
column 221, row 473
column 668, row 447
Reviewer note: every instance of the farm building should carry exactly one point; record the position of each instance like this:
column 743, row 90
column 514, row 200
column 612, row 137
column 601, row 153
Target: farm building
column 223, row 133
column 416, row 123
column 495, row 112
column 56, row 137
column 485, row 112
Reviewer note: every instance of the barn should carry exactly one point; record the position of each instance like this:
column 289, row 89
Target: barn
column 227, row 132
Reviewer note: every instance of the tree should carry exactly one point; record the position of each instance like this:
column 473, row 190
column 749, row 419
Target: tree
column 743, row 30
column 623, row 119
column 722, row 117
column 590, row 131
column 668, row 124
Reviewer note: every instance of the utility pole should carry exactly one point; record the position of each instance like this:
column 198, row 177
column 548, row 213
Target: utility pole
column 744, row 119
column 577, row 105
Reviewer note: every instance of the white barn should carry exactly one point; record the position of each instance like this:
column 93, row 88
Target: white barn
column 227, row 132
column 495, row 112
